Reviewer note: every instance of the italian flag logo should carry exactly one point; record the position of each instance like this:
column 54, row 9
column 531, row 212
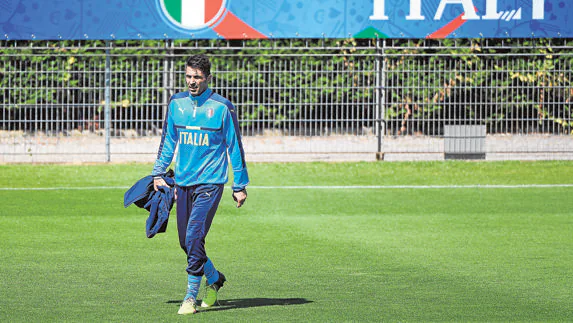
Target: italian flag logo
column 193, row 14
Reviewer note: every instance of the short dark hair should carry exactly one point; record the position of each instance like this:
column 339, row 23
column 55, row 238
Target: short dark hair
column 201, row 62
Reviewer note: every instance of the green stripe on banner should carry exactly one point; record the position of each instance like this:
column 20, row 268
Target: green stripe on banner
column 174, row 9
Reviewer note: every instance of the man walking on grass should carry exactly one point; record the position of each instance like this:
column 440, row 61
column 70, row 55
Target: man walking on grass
column 204, row 125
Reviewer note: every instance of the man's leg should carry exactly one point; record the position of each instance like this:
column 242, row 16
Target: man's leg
column 184, row 207
column 205, row 199
column 215, row 281
column 211, row 273
column 189, row 305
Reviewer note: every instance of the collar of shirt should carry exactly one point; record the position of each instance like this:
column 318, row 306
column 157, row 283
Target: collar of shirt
column 202, row 98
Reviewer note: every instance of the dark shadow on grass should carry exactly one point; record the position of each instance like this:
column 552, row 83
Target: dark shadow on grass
column 229, row 304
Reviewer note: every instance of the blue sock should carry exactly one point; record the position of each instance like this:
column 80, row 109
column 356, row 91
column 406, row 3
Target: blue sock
column 210, row 272
column 193, row 284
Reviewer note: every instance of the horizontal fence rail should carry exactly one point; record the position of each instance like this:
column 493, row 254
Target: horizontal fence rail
column 348, row 96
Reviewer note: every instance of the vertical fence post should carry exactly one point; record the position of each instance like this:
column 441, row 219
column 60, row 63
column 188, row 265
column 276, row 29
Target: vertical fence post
column 172, row 77
column 383, row 89
column 381, row 96
column 168, row 73
column 107, row 122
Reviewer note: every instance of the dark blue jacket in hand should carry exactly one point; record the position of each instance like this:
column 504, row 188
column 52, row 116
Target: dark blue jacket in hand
column 158, row 203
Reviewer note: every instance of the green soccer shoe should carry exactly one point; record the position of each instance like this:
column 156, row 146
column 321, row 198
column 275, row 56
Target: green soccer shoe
column 212, row 290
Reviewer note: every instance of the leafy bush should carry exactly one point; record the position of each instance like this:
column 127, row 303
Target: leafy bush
column 296, row 86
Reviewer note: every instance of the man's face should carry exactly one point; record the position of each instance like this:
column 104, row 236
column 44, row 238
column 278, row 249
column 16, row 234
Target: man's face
column 197, row 82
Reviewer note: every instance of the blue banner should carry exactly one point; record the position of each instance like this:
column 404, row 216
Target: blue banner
column 256, row 19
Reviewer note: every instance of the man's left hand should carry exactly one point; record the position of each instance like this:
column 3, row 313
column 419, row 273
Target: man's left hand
column 240, row 197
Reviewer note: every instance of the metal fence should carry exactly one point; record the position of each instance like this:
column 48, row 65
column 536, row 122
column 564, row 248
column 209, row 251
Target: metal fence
column 295, row 97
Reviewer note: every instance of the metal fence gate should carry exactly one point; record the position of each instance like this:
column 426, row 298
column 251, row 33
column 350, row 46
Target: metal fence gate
column 297, row 99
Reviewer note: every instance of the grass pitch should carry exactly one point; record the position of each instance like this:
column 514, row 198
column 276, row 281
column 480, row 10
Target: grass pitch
column 408, row 254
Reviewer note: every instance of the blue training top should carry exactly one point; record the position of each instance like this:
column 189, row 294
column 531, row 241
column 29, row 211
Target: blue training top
column 206, row 129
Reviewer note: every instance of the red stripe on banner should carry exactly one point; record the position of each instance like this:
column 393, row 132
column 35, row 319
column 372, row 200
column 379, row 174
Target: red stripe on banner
column 449, row 28
column 232, row 27
column 211, row 8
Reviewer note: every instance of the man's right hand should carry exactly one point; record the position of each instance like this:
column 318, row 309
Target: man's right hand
column 158, row 182
column 161, row 182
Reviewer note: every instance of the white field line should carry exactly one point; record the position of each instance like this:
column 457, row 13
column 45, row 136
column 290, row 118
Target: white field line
column 359, row 187
column 85, row 188
column 316, row 187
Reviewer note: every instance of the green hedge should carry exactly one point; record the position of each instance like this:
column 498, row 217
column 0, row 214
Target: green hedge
column 516, row 86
